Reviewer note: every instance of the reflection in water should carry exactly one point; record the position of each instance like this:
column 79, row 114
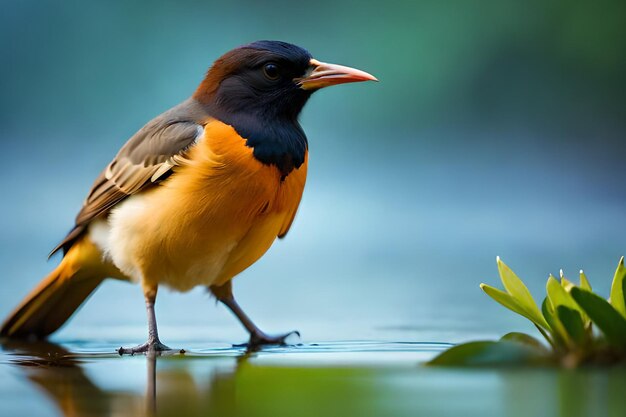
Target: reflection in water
column 59, row 375
column 151, row 404
column 566, row 392
column 302, row 380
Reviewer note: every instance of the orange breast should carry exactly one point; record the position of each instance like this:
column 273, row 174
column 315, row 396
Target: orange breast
column 216, row 215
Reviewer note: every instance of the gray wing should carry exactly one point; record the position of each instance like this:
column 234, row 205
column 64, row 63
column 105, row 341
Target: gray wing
column 143, row 161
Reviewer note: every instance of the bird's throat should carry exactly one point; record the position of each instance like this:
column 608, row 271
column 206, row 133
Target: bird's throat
column 281, row 144
column 275, row 141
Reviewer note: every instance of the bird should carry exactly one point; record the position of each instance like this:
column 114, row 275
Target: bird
column 196, row 196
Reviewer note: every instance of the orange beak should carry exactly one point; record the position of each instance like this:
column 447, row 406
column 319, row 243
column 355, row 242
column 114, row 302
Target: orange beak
column 323, row 75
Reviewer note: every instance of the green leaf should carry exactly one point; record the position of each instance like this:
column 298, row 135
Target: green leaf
column 608, row 320
column 617, row 289
column 509, row 302
column 503, row 353
column 573, row 324
column 624, row 289
column 559, row 334
column 525, row 339
column 516, row 288
column 584, row 282
column 565, row 283
column 557, row 294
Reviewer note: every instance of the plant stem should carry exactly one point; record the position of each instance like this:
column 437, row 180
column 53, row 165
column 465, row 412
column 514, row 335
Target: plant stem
column 546, row 336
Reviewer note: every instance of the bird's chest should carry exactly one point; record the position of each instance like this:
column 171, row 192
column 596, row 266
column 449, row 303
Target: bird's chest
column 216, row 215
column 223, row 181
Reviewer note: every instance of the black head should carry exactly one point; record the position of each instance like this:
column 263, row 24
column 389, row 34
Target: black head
column 258, row 80
column 260, row 89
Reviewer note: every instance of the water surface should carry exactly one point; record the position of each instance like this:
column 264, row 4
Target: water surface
column 349, row 378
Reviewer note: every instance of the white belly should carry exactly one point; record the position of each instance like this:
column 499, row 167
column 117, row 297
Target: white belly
column 122, row 236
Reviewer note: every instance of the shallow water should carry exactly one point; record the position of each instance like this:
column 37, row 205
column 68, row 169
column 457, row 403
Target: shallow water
column 348, row 378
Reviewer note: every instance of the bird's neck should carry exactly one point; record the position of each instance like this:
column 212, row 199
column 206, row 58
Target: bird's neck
column 275, row 139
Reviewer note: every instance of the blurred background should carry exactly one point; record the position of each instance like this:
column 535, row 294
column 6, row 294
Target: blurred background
column 497, row 128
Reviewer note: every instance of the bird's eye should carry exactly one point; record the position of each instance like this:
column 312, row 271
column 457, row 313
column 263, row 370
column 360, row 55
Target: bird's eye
column 271, row 72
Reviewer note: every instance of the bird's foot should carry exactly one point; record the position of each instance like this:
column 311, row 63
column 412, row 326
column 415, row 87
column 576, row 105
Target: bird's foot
column 259, row 339
column 151, row 346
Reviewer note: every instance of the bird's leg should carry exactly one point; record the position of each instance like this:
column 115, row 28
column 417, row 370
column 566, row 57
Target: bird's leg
column 258, row 338
column 153, row 344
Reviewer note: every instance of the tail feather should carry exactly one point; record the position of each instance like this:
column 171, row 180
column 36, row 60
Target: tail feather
column 58, row 296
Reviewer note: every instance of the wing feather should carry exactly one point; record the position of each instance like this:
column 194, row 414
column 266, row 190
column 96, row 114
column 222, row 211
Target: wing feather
column 147, row 158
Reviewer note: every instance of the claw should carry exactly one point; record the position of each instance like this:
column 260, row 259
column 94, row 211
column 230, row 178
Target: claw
column 260, row 339
column 150, row 346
